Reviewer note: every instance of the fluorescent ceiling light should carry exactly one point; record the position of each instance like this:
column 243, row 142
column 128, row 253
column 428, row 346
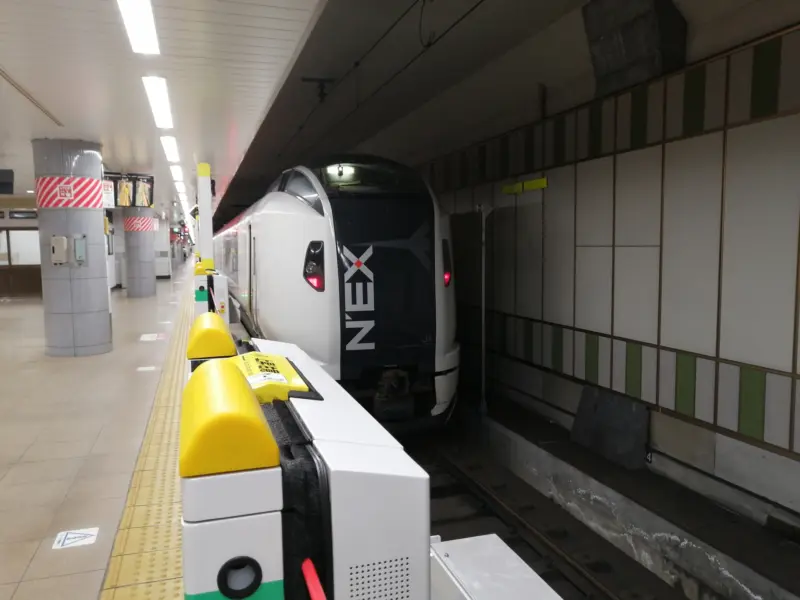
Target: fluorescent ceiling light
column 140, row 25
column 30, row 191
column 170, row 145
column 157, row 94
column 177, row 172
column 182, row 196
column 181, row 187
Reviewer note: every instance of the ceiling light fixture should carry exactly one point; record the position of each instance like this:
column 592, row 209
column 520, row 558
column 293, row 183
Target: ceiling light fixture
column 157, row 94
column 137, row 15
column 30, row 191
column 170, row 145
column 177, row 172
column 181, row 187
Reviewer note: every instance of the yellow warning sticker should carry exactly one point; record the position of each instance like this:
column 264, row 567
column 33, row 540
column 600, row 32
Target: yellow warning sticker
column 272, row 377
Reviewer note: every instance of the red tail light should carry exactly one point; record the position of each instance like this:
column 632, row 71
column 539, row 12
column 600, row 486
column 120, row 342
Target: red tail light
column 314, row 267
column 448, row 263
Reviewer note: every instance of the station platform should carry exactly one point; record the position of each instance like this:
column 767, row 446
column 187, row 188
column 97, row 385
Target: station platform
column 88, row 446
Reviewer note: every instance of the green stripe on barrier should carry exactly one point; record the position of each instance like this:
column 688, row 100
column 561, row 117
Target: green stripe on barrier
column 270, row 590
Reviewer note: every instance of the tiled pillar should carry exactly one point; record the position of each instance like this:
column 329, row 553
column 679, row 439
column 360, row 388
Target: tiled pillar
column 76, row 297
column 140, row 253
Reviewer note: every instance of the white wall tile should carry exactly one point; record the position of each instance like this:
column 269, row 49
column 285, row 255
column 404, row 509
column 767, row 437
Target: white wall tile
column 728, row 397
column 666, row 379
column 762, row 472
column 636, row 294
column 692, row 211
column 595, row 202
column 559, row 252
column 638, row 197
column 593, row 289
column 762, row 208
column 777, row 409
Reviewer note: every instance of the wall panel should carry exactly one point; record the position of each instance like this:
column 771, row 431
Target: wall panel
column 559, row 245
column 692, row 211
column 762, row 207
column 595, row 202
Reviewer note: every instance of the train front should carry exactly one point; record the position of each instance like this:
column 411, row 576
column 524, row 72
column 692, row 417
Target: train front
column 398, row 351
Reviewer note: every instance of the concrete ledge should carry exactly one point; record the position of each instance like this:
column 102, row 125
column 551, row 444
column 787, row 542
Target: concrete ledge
column 673, row 554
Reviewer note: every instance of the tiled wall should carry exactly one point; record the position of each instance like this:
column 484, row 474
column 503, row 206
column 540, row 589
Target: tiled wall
column 661, row 260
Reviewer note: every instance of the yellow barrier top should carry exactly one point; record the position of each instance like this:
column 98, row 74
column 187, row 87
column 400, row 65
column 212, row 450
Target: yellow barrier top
column 209, row 337
column 272, row 377
column 222, row 427
column 207, row 264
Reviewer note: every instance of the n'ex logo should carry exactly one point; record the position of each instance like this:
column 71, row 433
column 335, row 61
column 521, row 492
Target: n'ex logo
column 359, row 297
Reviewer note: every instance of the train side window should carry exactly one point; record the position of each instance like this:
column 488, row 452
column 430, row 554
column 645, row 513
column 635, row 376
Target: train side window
column 299, row 185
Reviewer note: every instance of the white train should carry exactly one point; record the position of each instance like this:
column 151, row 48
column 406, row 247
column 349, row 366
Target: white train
column 350, row 259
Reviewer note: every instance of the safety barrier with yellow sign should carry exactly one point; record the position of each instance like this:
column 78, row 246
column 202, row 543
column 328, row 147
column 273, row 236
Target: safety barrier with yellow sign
column 231, row 487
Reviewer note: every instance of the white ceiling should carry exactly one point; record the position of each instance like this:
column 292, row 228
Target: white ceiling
column 222, row 59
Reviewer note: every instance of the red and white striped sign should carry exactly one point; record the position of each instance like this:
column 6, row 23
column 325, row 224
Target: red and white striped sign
column 139, row 224
column 69, row 192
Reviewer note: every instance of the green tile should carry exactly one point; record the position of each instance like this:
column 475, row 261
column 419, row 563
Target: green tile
column 633, row 370
column 503, row 160
column 639, row 106
column 685, row 382
column 595, row 129
column 481, row 174
column 527, row 340
column 560, row 140
column 463, row 169
column 557, row 349
column 694, row 101
column 501, row 330
column 592, row 358
column 766, row 78
column 530, row 149
column 752, row 393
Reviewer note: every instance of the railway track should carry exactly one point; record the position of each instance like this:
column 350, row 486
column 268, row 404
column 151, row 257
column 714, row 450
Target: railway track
column 471, row 495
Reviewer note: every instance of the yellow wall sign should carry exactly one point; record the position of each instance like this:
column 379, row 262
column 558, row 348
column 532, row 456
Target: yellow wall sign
column 514, row 189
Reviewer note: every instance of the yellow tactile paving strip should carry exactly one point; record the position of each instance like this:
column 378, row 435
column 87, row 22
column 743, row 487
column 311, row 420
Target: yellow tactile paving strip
column 146, row 559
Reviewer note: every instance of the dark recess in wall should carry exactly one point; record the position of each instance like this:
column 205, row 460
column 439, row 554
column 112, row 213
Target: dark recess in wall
column 6, row 181
column 632, row 41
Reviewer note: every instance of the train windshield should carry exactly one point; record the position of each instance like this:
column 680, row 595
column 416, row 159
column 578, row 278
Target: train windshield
column 365, row 179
